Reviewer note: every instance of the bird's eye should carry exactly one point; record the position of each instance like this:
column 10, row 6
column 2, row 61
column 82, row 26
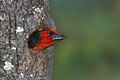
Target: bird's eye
column 51, row 33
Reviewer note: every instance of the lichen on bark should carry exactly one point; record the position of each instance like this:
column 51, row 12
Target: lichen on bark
column 18, row 18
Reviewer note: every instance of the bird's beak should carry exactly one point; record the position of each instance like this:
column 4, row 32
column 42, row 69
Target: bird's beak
column 58, row 37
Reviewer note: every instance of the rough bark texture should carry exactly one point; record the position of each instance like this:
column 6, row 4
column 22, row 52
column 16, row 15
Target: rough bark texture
column 18, row 18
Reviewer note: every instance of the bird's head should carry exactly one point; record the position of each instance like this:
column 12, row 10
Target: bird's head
column 43, row 37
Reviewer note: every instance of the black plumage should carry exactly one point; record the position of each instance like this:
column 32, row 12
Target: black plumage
column 34, row 39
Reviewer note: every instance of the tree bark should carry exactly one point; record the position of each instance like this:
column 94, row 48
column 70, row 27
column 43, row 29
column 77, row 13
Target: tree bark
column 18, row 19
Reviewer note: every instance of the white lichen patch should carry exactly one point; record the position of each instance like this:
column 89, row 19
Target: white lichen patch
column 31, row 75
column 13, row 48
column 22, row 75
column 42, row 18
column 8, row 66
column 33, row 7
column 26, row 68
column 33, row 12
column 6, row 41
column 19, row 29
column 6, row 56
column 27, row 36
column 11, row 0
column 42, row 9
column 40, row 74
column 1, row 18
column 38, row 9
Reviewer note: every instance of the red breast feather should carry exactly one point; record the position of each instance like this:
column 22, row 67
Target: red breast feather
column 45, row 42
column 44, row 38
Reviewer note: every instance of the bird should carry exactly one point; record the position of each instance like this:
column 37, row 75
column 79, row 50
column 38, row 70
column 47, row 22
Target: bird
column 43, row 37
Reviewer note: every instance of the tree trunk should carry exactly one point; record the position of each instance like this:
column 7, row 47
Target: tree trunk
column 18, row 19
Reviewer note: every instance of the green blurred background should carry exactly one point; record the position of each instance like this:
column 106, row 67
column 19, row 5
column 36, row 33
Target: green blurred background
column 91, row 50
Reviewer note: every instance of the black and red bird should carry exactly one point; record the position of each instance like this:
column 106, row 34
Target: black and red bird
column 43, row 37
